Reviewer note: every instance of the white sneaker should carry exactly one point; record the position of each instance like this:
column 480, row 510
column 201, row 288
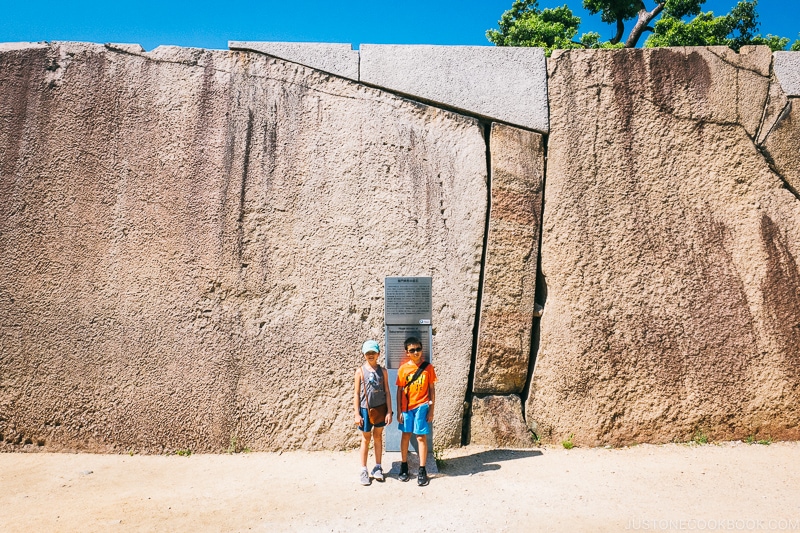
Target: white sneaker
column 365, row 480
column 377, row 473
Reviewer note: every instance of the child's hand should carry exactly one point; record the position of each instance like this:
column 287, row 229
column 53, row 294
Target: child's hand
column 359, row 421
column 430, row 414
column 388, row 418
column 400, row 417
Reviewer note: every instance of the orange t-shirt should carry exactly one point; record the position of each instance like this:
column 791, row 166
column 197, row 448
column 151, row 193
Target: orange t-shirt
column 418, row 392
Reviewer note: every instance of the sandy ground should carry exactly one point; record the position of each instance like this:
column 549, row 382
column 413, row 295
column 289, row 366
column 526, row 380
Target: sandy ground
column 726, row 487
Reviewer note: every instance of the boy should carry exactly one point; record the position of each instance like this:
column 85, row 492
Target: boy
column 371, row 388
column 416, row 395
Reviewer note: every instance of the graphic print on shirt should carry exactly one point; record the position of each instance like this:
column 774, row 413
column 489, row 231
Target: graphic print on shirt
column 373, row 381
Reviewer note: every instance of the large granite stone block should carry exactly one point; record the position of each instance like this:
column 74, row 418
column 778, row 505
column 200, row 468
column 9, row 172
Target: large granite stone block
column 194, row 244
column 336, row 58
column 497, row 421
column 787, row 68
column 506, row 84
column 670, row 253
column 507, row 302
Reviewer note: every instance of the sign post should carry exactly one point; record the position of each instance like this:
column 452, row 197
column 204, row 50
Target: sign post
column 408, row 312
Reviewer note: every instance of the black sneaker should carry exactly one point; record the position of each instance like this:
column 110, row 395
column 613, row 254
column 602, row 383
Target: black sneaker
column 403, row 471
column 422, row 477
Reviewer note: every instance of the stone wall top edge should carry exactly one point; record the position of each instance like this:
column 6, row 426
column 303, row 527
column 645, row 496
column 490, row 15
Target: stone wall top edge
column 22, row 45
column 235, row 45
column 503, row 84
column 335, row 58
column 129, row 47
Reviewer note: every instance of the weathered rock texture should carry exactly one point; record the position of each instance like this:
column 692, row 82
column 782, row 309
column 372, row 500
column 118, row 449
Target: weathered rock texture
column 505, row 83
column 497, row 421
column 506, row 318
column 194, row 243
column 782, row 145
column 670, row 252
column 336, row 58
column 787, row 69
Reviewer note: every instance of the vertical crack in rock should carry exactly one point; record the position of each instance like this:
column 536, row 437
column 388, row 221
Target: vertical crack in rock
column 778, row 134
column 540, row 293
column 245, row 167
column 487, row 128
column 779, row 147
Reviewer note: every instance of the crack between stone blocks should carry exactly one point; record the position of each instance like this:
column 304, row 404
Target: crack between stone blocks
column 482, row 119
column 785, row 111
column 540, row 294
column 465, row 425
column 737, row 67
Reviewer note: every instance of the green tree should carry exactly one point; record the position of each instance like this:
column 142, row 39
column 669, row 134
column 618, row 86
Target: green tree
column 736, row 29
column 525, row 24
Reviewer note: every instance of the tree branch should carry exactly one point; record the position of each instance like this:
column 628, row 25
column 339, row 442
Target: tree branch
column 620, row 30
column 643, row 24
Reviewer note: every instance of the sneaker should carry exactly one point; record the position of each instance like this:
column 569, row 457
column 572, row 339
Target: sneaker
column 365, row 480
column 377, row 473
column 422, row 477
column 403, row 472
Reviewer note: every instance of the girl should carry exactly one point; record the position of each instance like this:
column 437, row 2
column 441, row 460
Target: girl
column 371, row 392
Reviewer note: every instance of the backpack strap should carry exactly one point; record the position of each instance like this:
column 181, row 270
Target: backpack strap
column 419, row 371
column 364, row 385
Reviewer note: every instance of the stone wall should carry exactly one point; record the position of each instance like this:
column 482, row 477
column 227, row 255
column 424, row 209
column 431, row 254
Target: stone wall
column 194, row 245
column 670, row 250
column 194, row 242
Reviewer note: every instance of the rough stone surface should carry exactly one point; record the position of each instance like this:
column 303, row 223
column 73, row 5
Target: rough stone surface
column 507, row 84
column 783, row 145
column 126, row 47
column 670, row 253
column 507, row 306
column 194, row 243
column 336, row 58
column 497, row 421
column 787, row 68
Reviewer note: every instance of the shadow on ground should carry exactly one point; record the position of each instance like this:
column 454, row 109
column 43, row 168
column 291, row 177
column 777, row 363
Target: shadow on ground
column 482, row 461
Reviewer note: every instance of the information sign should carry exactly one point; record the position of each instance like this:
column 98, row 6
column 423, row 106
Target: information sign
column 407, row 301
column 395, row 343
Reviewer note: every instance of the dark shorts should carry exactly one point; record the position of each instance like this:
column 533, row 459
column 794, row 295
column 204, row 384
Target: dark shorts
column 368, row 424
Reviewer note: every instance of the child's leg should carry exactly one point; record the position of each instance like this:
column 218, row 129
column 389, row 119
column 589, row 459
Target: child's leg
column 365, row 438
column 405, row 439
column 422, row 442
column 377, row 433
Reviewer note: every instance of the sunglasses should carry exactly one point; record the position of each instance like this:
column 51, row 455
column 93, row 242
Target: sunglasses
column 414, row 350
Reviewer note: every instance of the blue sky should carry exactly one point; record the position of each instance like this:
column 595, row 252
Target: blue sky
column 211, row 24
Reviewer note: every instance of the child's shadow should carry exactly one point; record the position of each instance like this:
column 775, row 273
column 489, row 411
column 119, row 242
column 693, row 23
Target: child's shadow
column 482, row 461
column 469, row 464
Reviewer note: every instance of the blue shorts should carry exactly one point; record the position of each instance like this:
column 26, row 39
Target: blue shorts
column 367, row 423
column 416, row 420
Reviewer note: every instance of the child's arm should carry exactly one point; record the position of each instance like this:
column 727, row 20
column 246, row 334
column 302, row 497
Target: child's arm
column 388, row 396
column 432, row 395
column 357, row 404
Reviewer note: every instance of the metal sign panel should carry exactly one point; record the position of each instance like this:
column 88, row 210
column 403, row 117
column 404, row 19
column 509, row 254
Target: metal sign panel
column 395, row 343
column 407, row 300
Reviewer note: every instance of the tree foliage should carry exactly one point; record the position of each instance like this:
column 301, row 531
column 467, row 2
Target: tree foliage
column 736, row 29
column 681, row 23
